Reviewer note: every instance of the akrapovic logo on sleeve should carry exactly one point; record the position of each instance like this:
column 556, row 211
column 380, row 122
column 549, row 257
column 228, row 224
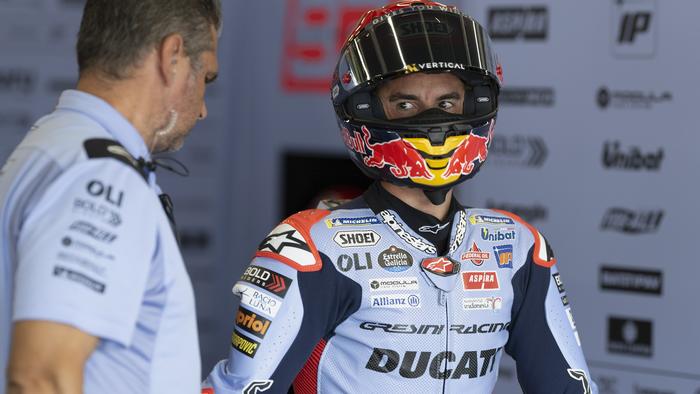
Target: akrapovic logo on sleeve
column 244, row 344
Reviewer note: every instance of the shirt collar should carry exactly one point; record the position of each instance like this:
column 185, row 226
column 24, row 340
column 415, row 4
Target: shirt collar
column 108, row 117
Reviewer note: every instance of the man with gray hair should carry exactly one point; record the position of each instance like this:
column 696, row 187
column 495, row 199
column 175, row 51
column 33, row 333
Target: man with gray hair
column 94, row 295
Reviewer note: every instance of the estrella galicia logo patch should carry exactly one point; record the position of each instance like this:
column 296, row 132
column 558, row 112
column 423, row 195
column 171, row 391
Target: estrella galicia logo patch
column 269, row 280
column 395, row 259
column 257, row 386
column 504, row 255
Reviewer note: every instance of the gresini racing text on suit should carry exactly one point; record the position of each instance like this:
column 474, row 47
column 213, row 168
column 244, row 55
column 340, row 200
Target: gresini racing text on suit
column 356, row 300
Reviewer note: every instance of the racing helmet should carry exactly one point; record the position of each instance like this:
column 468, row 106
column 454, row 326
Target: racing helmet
column 433, row 150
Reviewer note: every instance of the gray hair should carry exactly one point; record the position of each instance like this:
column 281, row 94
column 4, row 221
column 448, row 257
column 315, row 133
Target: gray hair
column 116, row 34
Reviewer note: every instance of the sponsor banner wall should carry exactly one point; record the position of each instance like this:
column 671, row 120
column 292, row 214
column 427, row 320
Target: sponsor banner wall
column 595, row 146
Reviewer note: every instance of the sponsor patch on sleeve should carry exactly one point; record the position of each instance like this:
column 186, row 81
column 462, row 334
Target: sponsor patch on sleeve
column 244, row 344
column 269, row 280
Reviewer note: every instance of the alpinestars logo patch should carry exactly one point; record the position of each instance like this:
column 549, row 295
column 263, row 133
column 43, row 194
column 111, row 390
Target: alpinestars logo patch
column 287, row 242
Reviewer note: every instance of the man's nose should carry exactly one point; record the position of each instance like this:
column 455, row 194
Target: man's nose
column 203, row 112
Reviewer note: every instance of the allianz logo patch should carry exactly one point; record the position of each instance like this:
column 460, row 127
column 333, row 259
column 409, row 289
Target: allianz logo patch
column 350, row 239
column 482, row 303
column 386, row 284
column 396, row 301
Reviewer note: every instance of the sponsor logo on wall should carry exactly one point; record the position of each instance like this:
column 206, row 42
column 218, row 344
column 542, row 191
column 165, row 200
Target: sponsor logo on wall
column 632, row 222
column 17, row 80
column 518, row 150
column 631, row 280
column 633, row 28
column 632, row 158
column 527, row 96
column 527, row 23
column 630, row 336
column 631, row 99
column 531, row 213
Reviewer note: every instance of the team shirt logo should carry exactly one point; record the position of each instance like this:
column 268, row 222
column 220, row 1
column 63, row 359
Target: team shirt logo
column 482, row 303
column 257, row 300
column 387, row 284
column 480, row 280
column 361, row 221
column 498, row 235
column 476, row 255
column 441, row 266
column 495, row 220
column 391, row 221
column 244, row 344
column 504, row 255
column 267, row 279
column 252, row 323
column 395, row 259
column 396, row 301
column 349, row 239
column 460, row 232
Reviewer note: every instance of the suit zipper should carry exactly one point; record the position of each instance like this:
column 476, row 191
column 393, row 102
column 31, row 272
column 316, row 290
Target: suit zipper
column 443, row 301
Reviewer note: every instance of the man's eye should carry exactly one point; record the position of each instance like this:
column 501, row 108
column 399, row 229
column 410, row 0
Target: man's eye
column 446, row 104
column 405, row 105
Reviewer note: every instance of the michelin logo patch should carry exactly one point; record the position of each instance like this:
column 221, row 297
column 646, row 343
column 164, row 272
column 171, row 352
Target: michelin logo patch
column 361, row 221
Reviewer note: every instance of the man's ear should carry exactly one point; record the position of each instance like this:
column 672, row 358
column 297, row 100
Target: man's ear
column 171, row 57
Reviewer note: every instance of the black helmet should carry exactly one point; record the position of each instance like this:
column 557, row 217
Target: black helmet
column 433, row 150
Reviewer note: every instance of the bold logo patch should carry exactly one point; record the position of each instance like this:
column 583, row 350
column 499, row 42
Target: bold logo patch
column 480, row 280
column 475, row 255
column 504, row 255
column 349, row 239
column 267, row 279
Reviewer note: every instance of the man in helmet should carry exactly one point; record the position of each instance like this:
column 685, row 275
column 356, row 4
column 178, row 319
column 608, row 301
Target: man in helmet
column 403, row 289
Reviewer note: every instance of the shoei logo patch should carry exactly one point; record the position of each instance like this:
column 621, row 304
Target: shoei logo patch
column 349, row 239
column 480, row 280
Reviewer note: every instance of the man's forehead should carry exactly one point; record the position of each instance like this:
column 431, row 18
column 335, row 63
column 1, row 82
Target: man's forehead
column 420, row 82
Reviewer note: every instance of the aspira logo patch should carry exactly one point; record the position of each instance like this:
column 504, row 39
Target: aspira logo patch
column 480, row 280
column 349, row 239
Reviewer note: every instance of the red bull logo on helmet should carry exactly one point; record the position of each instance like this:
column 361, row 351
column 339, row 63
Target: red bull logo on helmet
column 406, row 157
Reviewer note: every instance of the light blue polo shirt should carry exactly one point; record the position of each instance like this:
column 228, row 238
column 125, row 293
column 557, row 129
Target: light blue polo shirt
column 85, row 242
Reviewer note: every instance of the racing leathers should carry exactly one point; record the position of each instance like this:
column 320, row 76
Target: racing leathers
column 363, row 300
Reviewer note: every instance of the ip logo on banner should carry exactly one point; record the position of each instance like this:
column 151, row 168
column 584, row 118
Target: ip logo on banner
column 634, row 28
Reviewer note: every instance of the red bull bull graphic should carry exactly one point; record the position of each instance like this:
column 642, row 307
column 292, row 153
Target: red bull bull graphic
column 475, row 148
column 405, row 161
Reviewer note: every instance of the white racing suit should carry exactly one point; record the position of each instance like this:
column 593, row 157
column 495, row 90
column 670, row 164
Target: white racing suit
column 354, row 300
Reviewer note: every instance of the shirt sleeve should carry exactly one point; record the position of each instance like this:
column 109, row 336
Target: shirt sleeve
column 85, row 249
column 285, row 318
column 543, row 338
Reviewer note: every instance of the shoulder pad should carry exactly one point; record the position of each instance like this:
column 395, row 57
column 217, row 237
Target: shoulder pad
column 542, row 255
column 291, row 242
column 102, row 147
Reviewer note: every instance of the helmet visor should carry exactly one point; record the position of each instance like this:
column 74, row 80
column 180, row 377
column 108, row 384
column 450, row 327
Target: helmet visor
column 419, row 40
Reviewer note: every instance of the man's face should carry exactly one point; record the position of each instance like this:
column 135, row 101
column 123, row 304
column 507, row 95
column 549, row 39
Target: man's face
column 188, row 100
column 414, row 93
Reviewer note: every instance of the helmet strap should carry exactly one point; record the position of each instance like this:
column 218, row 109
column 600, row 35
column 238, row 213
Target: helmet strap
column 436, row 197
